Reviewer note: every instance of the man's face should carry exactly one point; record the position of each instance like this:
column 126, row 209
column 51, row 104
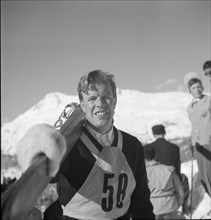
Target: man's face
column 196, row 90
column 207, row 72
column 99, row 105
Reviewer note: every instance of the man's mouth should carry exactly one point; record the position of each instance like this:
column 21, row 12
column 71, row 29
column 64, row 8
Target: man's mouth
column 101, row 113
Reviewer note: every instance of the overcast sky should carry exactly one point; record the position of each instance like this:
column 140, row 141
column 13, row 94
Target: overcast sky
column 149, row 46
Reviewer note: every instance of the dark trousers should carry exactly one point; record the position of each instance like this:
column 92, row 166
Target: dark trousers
column 186, row 188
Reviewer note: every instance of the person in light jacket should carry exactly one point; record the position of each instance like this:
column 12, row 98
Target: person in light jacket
column 169, row 154
column 166, row 189
column 199, row 112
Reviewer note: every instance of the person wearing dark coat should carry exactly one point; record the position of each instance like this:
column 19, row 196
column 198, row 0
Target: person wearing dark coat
column 169, row 154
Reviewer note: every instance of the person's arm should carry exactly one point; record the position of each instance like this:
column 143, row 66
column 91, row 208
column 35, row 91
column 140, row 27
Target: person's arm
column 141, row 207
column 41, row 139
column 178, row 189
column 178, row 163
column 39, row 153
column 141, row 194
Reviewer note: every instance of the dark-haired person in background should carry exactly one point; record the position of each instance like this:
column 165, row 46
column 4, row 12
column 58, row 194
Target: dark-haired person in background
column 169, row 154
column 199, row 112
column 207, row 68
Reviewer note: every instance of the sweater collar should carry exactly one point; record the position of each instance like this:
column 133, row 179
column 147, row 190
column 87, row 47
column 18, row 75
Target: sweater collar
column 104, row 139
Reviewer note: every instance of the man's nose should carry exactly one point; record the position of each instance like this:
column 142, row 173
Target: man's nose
column 100, row 101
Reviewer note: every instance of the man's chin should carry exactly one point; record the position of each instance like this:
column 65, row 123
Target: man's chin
column 102, row 126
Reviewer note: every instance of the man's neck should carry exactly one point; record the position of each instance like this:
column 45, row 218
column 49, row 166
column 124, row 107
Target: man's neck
column 106, row 139
column 159, row 136
column 101, row 131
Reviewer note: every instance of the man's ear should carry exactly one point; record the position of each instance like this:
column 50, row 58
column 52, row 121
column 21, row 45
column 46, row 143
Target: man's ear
column 115, row 102
column 82, row 106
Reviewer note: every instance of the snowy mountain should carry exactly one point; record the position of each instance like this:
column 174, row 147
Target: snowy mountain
column 136, row 113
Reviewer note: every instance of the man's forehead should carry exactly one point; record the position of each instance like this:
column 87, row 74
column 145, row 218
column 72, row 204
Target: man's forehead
column 196, row 84
column 98, row 88
column 89, row 92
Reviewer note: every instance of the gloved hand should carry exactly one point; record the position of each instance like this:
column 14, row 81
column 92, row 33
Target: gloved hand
column 41, row 138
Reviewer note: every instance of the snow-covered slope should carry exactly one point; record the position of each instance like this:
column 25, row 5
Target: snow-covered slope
column 47, row 110
column 136, row 113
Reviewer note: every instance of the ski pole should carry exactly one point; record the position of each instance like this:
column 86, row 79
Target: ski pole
column 191, row 193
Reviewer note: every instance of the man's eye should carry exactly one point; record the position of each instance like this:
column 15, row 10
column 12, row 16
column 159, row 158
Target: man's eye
column 91, row 99
column 108, row 99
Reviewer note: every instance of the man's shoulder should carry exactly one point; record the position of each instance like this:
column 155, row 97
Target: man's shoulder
column 166, row 142
column 152, row 144
column 160, row 168
column 207, row 98
column 130, row 136
column 169, row 168
column 165, row 169
column 130, row 142
column 162, row 143
column 173, row 145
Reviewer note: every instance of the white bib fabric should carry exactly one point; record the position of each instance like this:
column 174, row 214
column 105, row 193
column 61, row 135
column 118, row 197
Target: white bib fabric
column 108, row 196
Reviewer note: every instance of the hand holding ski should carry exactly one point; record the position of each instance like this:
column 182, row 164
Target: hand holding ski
column 40, row 153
